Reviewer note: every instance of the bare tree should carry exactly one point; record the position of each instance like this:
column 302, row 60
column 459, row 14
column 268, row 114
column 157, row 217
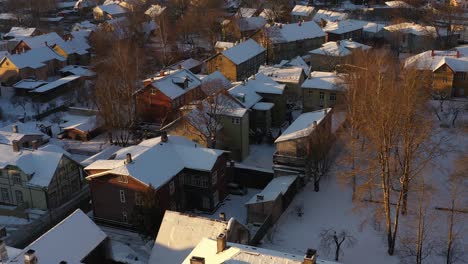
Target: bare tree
column 147, row 215
column 21, row 101
column 329, row 239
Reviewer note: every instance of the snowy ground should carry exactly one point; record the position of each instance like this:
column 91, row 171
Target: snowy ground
column 234, row 206
column 261, row 156
column 332, row 208
column 128, row 247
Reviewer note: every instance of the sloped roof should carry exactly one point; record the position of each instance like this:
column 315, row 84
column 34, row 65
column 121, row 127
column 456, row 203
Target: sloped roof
column 297, row 61
column 28, row 84
column 78, row 70
column 282, row 33
column 168, row 84
column 251, row 89
column 155, row 10
column 343, row 26
column 217, row 78
column 113, row 9
column 302, row 10
column 339, row 48
column 71, row 240
column 165, row 160
column 55, row 84
column 180, row 233
column 302, row 126
column 329, row 15
column 275, row 187
column 398, row 4
column 463, row 50
column 322, row 80
column 34, row 58
column 432, row 61
column 40, row 40
column 24, row 129
column 246, row 12
column 251, row 23
column 237, row 253
column 415, row 29
column 243, row 51
column 283, row 74
column 20, row 32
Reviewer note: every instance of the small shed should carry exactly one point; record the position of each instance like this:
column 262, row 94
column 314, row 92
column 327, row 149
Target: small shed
column 272, row 200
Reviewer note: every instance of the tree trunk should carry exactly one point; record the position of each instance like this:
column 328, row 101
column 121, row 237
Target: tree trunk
column 337, row 252
column 450, row 235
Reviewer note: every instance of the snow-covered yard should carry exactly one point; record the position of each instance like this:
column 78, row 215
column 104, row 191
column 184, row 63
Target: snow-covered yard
column 261, row 156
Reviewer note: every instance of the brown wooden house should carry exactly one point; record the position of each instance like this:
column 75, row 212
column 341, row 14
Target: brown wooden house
column 161, row 96
column 184, row 175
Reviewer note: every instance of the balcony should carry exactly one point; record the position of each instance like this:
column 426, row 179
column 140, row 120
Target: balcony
column 289, row 160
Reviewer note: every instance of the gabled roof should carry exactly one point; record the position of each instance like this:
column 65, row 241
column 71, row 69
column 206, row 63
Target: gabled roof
column 283, row 74
column 20, row 32
column 28, row 84
column 283, row 33
column 156, row 162
column 302, row 10
column 246, row 12
column 113, row 9
column 433, row 60
column 237, row 253
column 71, row 240
column 329, row 15
column 303, row 125
column 297, row 61
column 250, row 89
column 34, row 58
column 214, row 82
column 343, row 26
column 415, row 29
column 170, row 84
column 277, row 186
column 398, row 4
column 223, row 45
column 463, row 50
column 243, row 51
column 339, row 48
column 40, row 40
column 24, row 129
column 77, row 44
column 40, row 163
column 78, row 70
column 55, row 84
column 322, row 80
column 180, row 233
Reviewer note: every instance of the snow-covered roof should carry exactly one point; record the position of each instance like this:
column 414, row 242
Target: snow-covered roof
column 20, row 32
column 112, row 9
column 283, row 74
column 297, row 61
column 78, row 70
column 246, row 12
column 323, row 80
column 65, row 5
column 343, row 26
column 172, row 84
column 268, row 14
column 215, row 78
column 223, row 45
column 186, row 64
column 28, row 84
column 103, row 155
column 282, row 33
column 339, row 48
column 180, row 233
column 243, row 51
column 372, row 27
column 84, row 3
column 24, row 129
column 303, row 125
column 433, row 60
column 277, row 186
column 237, row 253
column 250, row 89
column 302, row 10
column 164, row 159
column 415, row 29
column 463, row 50
column 86, row 124
column 40, row 163
column 55, row 84
column 329, row 15
column 251, row 23
column 83, row 25
column 71, row 240
column 155, row 10
column 263, row 106
column 41, row 40
column 77, row 44
column 398, row 4
column 34, row 58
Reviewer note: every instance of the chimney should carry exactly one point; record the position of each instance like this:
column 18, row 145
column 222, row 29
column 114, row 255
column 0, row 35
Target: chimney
column 221, row 243
column 128, row 158
column 458, row 54
column 314, row 125
column 161, row 73
column 179, row 67
column 260, row 197
column 35, row 144
column 46, row 44
column 432, row 53
column 197, row 260
column 15, row 128
column 222, row 216
column 16, row 146
column 3, row 252
column 325, row 111
column 164, row 136
column 30, row 257
column 63, row 262
column 280, row 25
column 310, row 257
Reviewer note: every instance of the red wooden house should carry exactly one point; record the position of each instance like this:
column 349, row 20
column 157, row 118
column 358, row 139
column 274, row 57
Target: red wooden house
column 184, row 174
column 162, row 96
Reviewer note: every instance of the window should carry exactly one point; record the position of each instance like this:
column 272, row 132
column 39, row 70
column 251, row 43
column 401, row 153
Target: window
column 204, row 182
column 5, row 195
column 322, row 95
column 333, row 97
column 19, row 197
column 214, row 178
column 122, row 196
column 124, row 217
column 236, row 120
column 310, row 91
column 206, row 203
column 171, row 187
column 137, row 198
column 153, row 91
column 123, row 179
column 16, row 179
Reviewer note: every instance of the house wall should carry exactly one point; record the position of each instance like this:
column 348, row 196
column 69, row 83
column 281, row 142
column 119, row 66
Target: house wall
column 98, row 14
column 258, row 212
column 289, row 50
column 183, row 128
column 460, row 84
column 8, row 70
column 236, row 136
column 443, row 79
column 153, row 107
column 222, row 64
column 355, row 35
column 311, row 99
column 32, row 197
column 278, row 112
column 66, row 182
